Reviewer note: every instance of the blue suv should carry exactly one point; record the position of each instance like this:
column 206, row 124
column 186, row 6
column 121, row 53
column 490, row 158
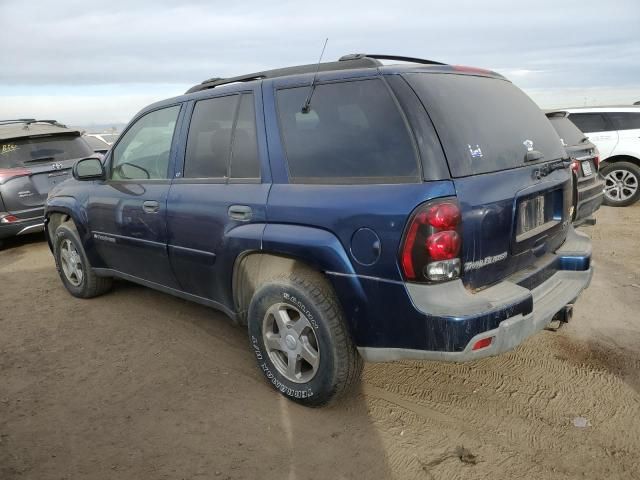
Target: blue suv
column 344, row 211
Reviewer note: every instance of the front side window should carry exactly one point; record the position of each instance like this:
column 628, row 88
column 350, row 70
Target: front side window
column 354, row 132
column 143, row 152
column 589, row 122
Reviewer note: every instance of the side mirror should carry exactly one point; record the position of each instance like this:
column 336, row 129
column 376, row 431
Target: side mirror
column 88, row 169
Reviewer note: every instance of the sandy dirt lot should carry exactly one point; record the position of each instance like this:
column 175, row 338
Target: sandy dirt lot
column 140, row 385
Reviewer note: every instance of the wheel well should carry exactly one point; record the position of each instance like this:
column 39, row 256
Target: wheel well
column 254, row 269
column 55, row 220
column 620, row 158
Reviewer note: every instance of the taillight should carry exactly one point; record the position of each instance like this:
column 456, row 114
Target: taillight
column 596, row 158
column 432, row 241
column 8, row 218
column 9, row 173
column 575, row 167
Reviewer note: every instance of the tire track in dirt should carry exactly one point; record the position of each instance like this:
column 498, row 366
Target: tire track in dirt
column 512, row 407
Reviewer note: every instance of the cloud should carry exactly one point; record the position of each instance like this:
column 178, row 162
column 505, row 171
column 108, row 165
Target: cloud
column 74, row 46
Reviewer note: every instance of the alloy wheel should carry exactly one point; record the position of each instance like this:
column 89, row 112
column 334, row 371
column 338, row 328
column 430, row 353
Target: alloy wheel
column 291, row 342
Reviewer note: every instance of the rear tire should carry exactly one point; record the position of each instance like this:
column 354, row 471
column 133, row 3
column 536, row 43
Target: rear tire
column 299, row 337
column 73, row 265
column 622, row 184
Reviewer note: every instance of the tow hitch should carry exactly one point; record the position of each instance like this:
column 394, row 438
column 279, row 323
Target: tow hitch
column 560, row 318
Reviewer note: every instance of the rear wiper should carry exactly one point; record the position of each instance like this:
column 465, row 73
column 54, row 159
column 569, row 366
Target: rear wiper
column 550, row 167
column 533, row 155
column 39, row 159
column 585, row 139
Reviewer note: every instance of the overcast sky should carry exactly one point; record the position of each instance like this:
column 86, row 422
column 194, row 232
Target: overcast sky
column 87, row 62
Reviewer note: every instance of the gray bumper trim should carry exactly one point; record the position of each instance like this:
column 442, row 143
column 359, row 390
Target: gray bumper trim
column 548, row 298
column 31, row 229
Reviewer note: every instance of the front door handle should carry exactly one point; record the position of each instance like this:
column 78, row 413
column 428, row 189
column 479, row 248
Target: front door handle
column 150, row 206
column 242, row 213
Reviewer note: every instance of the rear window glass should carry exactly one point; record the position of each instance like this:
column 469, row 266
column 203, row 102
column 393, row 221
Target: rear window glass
column 21, row 151
column 625, row 120
column 485, row 124
column 353, row 133
column 567, row 131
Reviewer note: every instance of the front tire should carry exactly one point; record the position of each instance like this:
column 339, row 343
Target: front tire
column 622, row 184
column 300, row 339
column 73, row 265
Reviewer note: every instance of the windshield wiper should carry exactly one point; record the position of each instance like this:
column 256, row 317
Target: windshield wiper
column 39, row 159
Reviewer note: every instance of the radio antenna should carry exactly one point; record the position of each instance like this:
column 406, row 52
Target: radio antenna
column 307, row 102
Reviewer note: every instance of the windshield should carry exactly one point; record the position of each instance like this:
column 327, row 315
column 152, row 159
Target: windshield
column 485, row 124
column 21, row 151
column 567, row 131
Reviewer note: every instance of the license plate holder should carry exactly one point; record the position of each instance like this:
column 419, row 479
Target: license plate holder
column 586, row 168
column 532, row 217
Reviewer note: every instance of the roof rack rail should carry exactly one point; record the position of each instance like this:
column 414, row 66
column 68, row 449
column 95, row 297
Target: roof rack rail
column 360, row 62
column 29, row 121
column 346, row 62
column 398, row 58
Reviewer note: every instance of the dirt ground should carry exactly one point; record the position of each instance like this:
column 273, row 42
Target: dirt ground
column 140, row 385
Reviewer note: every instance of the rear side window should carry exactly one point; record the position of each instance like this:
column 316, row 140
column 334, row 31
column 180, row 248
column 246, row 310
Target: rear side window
column 222, row 139
column 353, row 133
column 485, row 124
column 567, row 131
column 209, row 142
column 21, row 151
column 590, row 122
column 625, row 120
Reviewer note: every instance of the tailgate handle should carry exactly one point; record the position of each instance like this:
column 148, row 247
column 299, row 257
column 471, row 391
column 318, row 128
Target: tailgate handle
column 150, row 206
column 241, row 213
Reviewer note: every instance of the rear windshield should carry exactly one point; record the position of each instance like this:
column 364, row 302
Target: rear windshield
column 484, row 124
column 567, row 131
column 21, row 151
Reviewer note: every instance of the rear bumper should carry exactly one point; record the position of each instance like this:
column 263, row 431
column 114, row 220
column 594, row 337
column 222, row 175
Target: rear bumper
column 21, row 227
column 509, row 311
column 548, row 299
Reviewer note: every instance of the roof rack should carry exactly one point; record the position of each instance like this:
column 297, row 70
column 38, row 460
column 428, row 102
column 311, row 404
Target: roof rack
column 29, row 121
column 397, row 58
column 346, row 62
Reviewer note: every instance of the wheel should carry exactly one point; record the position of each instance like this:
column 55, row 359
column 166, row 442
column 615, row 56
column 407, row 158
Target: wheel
column 622, row 184
column 74, row 267
column 300, row 340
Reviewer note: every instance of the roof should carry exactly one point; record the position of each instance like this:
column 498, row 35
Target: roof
column 29, row 127
column 346, row 62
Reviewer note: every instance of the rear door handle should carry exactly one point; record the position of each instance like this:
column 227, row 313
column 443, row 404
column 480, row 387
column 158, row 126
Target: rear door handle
column 241, row 213
column 150, row 206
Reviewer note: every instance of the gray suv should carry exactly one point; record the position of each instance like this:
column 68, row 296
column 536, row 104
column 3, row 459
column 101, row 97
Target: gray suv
column 35, row 155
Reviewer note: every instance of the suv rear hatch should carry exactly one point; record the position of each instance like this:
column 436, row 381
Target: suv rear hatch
column 507, row 165
column 31, row 166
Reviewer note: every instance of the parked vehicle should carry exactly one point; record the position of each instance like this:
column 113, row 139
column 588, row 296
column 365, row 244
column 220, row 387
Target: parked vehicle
column 97, row 144
column 35, row 155
column 616, row 133
column 108, row 138
column 335, row 218
column 588, row 186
